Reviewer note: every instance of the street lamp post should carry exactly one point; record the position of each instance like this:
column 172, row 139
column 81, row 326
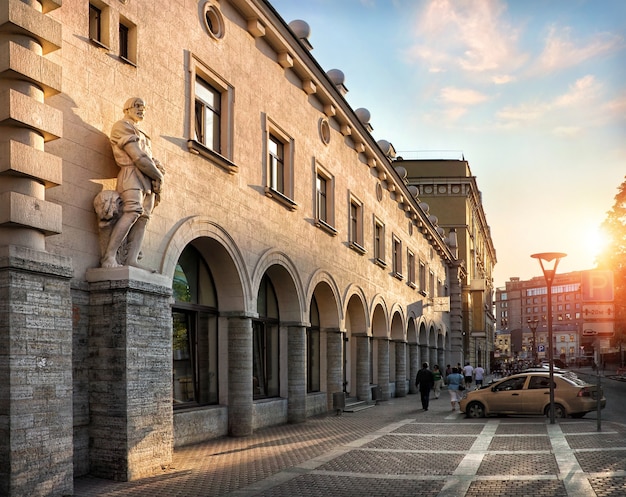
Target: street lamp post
column 532, row 324
column 549, row 262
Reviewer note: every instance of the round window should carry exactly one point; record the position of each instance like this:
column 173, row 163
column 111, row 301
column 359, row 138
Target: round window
column 324, row 130
column 213, row 21
column 379, row 191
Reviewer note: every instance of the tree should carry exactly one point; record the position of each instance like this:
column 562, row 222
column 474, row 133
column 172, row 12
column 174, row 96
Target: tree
column 613, row 257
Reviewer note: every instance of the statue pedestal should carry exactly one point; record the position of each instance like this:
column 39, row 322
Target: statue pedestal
column 130, row 373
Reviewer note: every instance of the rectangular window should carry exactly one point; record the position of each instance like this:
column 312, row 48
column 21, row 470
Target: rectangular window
column 324, row 200
column 355, row 229
column 211, row 116
column 422, row 276
column 123, row 41
column 95, row 23
column 127, row 42
column 265, row 363
column 195, row 358
column 431, row 285
column 410, row 260
column 321, row 188
column 279, row 164
column 379, row 243
column 208, row 109
column 397, row 257
column 99, row 24
column 313, row 359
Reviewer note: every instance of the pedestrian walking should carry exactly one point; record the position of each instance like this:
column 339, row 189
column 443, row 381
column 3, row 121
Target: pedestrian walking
column 468, row 373
column 424, row 381
column 438, row 379
column 455, row 384
column 479, row 376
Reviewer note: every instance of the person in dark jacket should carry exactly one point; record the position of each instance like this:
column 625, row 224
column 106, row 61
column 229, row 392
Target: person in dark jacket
column 425, row 381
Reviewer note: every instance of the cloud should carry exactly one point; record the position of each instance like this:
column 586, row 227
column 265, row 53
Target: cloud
column 560, row 51
column 616, row 108
column 579, row 102
column 464, row 97
column 525, row 112
column 582, row 91
column 567, row 131
column 469, row 35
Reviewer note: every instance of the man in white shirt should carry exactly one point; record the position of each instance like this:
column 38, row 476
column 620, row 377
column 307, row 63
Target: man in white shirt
column 468, row 373
column 479, row 376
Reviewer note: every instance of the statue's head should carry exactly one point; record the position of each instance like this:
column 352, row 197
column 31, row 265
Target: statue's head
column 135, row 108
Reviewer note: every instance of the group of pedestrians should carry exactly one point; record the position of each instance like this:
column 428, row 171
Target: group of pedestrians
column 457, row 379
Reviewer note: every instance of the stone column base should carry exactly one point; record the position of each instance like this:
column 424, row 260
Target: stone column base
column 130, row 373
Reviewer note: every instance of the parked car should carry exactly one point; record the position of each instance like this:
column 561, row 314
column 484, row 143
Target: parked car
column 558, row 363
column 529, row 393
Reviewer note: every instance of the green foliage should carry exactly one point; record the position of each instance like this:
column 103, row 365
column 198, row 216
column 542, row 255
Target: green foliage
column 614, row 257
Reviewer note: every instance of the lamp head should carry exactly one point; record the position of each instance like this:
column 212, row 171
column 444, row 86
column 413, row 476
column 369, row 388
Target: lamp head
column 549, row 262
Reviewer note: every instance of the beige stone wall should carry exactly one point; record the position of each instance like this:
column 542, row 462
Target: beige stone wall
column 95, row 85
column 78, row 90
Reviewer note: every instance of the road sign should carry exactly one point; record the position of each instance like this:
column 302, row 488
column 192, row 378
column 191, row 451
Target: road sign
column 597, row 286
column 541, row 348
column 598, row 311
column 598, row 329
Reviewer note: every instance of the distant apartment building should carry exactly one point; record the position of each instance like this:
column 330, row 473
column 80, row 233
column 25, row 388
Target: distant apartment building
column 451, row 198
column 522, row 302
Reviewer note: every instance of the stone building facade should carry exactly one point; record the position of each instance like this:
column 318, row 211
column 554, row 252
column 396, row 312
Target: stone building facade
column 450, row 192
column 281, row 266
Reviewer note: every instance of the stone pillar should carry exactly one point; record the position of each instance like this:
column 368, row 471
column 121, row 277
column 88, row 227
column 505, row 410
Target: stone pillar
column 363, row 387
column 433, row 357
column 334, row 364
column 441, row 358
column 383, row 366
column 130, row 377
column 240, row 394
column 413, row 366
column 457, row 352
column 296, row 370
column 35, row 304
column 36, row 442
column 401, row 387
column 423, row 355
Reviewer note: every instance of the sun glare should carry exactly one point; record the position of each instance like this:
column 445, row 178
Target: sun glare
column 596, row 242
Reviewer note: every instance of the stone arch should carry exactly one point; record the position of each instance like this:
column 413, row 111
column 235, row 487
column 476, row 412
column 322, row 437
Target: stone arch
column 327, row 294
column 357, row 345
column 221, row 253
column 413, row 351
column 287, row 283
column 422, row 341
column 398, row 354
column 330, row 340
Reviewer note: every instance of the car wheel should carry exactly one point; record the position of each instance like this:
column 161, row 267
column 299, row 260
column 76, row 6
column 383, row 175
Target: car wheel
column 559, row 411
column 475, row 410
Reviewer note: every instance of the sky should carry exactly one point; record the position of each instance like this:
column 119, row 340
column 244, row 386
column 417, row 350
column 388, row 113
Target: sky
column 531, row 92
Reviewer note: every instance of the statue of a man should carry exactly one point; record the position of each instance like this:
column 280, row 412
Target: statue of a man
column 138, row 184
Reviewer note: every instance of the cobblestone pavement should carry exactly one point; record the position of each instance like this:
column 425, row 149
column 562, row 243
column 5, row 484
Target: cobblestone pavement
column 395, row 450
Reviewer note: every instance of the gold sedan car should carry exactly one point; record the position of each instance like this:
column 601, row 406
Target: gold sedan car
column 529, row 393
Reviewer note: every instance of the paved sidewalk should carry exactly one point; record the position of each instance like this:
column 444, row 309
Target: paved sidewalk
column 396, row 450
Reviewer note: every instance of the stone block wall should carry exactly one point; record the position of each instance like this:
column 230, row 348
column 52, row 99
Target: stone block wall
column 130, row 395
column 36, row 448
